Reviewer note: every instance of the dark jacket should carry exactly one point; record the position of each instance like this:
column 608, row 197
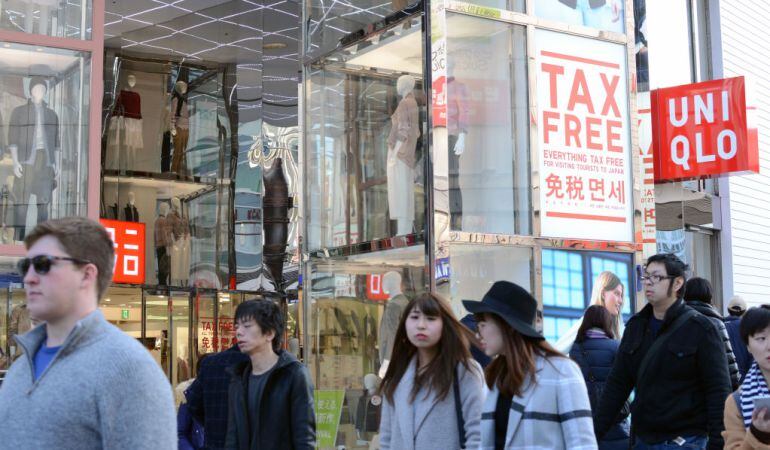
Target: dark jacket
column 595, row 357
column 286, row 411
column 207, row 396
column 189, row 430
column 470, row 322
column 742, row 355
column 21, row 130
column 718, row 321
column 686, row 383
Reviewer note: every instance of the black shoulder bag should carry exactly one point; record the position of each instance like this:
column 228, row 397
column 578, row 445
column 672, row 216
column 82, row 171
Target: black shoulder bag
column 459, row 410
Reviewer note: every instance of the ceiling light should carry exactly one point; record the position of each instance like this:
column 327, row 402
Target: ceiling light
column 274, row 46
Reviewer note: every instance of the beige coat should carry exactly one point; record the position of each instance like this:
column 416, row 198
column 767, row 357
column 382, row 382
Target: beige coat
column 736, row 436
column 405, row 128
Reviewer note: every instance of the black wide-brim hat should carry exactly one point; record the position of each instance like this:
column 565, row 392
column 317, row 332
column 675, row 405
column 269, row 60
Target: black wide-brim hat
column 516, row 306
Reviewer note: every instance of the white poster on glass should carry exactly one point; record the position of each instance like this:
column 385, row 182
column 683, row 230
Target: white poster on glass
column 585, row 168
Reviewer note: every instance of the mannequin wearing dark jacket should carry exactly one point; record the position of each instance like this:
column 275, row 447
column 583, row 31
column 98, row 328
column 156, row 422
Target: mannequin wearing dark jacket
column 33, row 136
column 286, row 410
column 685, row 385
column 595, row 356
column 718, row 321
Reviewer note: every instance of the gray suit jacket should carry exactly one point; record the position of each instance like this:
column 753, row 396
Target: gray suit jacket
column 429, row 423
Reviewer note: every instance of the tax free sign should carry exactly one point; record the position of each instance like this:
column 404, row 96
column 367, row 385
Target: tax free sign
column 700, row 130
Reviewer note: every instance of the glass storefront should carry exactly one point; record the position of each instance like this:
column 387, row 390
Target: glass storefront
column 490, row 139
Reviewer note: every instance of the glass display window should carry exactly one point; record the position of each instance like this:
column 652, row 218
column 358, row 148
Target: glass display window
column 366, row 143
column 44, row 109
column 355, row 304
column 470, row 270
column 485, row 185
column 70, row 19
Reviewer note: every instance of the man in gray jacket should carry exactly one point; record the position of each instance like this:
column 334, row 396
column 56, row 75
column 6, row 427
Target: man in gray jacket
column 82, row 383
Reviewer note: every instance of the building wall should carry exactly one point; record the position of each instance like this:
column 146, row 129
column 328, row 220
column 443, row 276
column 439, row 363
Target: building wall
column 744, row 52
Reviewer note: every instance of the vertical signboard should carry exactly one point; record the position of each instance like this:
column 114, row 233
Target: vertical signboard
column 647, row 189
column 584, row 137
column 128, row 239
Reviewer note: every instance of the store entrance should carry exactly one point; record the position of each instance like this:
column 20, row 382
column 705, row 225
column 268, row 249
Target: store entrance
column 177, row 326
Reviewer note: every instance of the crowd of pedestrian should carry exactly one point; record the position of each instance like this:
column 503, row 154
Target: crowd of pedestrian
column 676, row 375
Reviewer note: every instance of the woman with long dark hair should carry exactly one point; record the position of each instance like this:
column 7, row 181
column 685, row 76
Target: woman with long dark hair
column 594, row 350
column 432, row 391
column 537, row 395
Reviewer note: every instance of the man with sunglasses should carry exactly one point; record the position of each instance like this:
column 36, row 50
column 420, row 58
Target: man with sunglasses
column 82, row 383
column 673, row 357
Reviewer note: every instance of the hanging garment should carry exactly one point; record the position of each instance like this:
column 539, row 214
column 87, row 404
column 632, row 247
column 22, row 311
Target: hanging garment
column 125, row 135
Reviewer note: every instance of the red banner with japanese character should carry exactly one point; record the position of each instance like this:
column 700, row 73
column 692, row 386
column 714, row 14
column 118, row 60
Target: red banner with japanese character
column 584, row 134
column 128, row 239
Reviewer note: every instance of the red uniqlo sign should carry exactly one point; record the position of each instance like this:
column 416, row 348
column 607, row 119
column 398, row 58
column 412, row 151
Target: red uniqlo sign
column 129, row 250
column 699, row 130
column 374, row 288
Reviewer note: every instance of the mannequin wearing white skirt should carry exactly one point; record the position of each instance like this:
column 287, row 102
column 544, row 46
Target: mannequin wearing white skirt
column 124, row 135
column 402, row 142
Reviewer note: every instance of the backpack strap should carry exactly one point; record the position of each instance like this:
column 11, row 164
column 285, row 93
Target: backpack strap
column 459, row 409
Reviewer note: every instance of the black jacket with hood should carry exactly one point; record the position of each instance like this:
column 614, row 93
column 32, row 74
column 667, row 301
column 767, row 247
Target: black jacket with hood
column 286, row 410
column 684, row 388
column 732, row 363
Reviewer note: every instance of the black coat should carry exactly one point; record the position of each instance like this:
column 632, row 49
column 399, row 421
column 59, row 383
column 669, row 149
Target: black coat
column 21, row 130
column 719, row 322
column 742, row 355
column 595, row 358
column 686, row 383
column 286, row 410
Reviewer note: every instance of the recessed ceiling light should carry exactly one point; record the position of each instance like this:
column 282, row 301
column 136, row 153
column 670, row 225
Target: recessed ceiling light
column 274, row 46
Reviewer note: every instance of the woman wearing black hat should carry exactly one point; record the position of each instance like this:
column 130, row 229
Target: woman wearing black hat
column 537, row 395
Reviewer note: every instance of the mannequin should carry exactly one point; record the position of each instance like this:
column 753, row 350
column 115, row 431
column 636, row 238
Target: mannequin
column 391, row 285
column 457, row 118
column 402, row 142
column 164, row 238
column 369, row 404
column 33, row 139
column 45, row 13
column 179, row 250
column 125, row 135
column 130, row 213
column 180, row 126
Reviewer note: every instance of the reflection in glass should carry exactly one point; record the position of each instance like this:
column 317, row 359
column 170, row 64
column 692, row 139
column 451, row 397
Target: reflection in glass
column 71, row 19
column 157, row 324
column 605, row 15
column 181, row 350
column 19, row 321
column 355, row 308
column 487, row 127
column 474, row 268
column 43, row 109
column 366, row 142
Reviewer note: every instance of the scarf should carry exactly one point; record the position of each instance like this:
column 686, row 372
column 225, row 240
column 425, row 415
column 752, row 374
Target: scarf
column 753, row 386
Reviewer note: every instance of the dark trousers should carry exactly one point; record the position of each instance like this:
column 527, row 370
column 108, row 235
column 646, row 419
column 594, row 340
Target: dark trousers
column 37, row 178
column 455, row 195
column 164, row 265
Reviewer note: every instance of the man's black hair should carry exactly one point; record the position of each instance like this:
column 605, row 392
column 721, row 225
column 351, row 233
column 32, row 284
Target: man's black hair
column 675, row 268
column 268, row 316
column 698, row 289
column 754, row 321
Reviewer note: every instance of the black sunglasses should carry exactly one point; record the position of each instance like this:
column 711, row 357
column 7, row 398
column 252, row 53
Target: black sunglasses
column 43, row 263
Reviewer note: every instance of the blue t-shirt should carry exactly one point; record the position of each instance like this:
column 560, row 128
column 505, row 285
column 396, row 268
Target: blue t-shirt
column 43, row 358
column 655, row 325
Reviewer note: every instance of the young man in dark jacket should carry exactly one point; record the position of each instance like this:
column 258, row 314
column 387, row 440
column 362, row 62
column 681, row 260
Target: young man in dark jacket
column 270, row 396
column 682, row 387
column 698, row 296
column 736, row 308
